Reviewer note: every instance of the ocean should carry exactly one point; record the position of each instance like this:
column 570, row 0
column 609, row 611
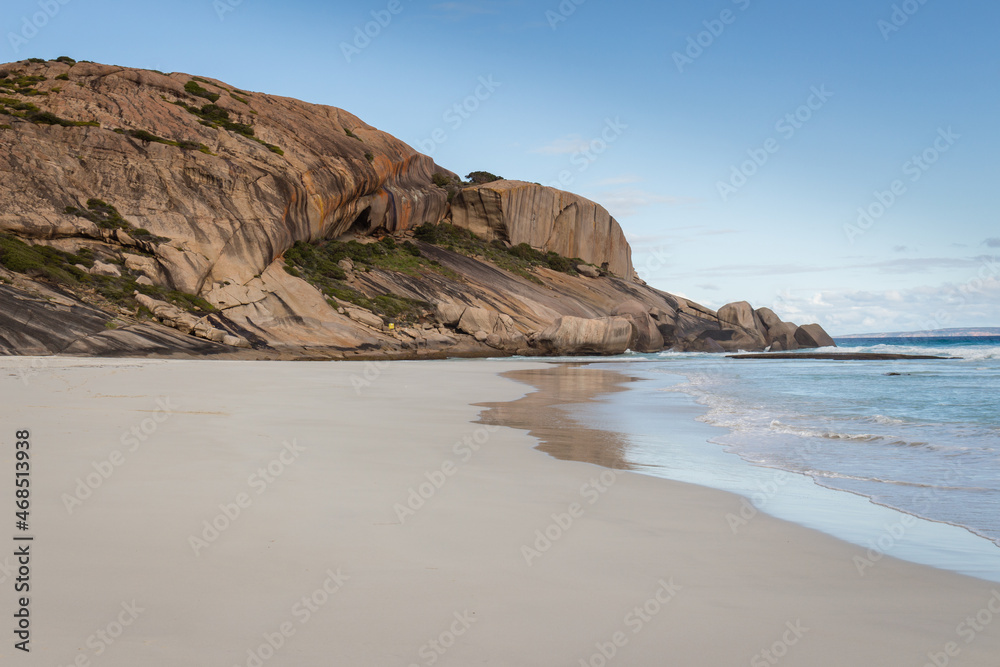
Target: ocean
column 899, row 457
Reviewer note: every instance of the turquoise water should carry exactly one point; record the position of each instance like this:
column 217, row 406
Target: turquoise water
column 844, row 447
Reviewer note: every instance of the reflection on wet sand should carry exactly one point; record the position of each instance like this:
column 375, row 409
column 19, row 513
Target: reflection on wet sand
column 560, row 435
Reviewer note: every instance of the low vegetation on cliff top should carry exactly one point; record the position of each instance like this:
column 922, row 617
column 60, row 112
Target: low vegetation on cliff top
column 212, row 115
column 17, row 83
column 453, row 184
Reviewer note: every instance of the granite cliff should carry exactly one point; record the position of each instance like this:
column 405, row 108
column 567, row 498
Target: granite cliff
column 151, row 213
column 516, row 212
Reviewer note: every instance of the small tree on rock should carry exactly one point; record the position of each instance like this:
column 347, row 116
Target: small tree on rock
column 480, row 177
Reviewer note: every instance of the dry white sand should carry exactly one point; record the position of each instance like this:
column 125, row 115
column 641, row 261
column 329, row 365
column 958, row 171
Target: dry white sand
column 318, row 562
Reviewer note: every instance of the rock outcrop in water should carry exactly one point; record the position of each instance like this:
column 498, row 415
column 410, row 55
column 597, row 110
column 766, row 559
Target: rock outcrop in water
column 147, row 213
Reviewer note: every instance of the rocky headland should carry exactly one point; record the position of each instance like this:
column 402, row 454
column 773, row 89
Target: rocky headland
column 144, row 213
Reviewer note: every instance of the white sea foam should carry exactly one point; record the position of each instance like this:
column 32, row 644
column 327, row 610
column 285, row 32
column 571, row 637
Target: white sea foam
column 965, row 353
column 886, row 421
column 849, row 427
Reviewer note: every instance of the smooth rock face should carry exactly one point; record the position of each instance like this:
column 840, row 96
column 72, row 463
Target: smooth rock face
column 781, row 337
column 547, row 219
column 662, row 315
column 365, row 317
column 739, row 313
column 477, row 319
column 813, row 335
column 687, row 326
column 741, row 316
column 646, row 336
column 711, row 345
column 726, row 340
column 101, row 269
column 49, row 323
column 186, row 323
column 497, row 330
column 449, row 314
column 227, row 215
column 768, row 318
column 576, row 335
column 219, row 221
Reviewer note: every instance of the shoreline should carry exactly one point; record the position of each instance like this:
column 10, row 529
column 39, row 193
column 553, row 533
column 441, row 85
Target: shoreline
column 644, row 568
column 802, row 499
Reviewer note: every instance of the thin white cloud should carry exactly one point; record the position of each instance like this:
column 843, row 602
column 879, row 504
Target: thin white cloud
column 992, row 243
column 972, row 303
column 893, row 266
column 626, row 201
column 923, row 264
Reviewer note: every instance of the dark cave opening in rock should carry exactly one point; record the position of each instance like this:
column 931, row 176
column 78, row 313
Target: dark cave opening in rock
column 362, row 224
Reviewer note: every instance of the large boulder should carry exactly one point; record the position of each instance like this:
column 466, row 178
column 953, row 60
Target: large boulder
column 666, row 324
column 707, row 342
column 663, row 316
column 781, row 337
column 577, row 335
column 474, row 320
column 690, row 326
column 187, row 323
column 768, row 317
column 101, row 269
column 366, row 317
column 813, row 335
column 739, row 314
column 498, row 329
column 448, row 313
column 547, row 219
column 646, row 336
column 731, row 340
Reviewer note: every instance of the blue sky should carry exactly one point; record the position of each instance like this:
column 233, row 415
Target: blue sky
column 736, row 141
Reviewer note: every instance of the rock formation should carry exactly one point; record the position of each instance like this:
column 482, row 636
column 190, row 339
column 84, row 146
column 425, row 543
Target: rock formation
column 150, row 213
column 576, row 335
column 544, row 218
column 646, row 336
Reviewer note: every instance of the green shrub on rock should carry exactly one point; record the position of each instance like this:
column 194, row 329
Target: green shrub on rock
column 195, row 89
column 479, row 177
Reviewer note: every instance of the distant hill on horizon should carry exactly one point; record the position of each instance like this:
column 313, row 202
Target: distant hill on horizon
column 936, row 333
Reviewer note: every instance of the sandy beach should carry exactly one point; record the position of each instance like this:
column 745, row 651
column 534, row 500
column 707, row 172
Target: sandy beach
column 300, row 514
